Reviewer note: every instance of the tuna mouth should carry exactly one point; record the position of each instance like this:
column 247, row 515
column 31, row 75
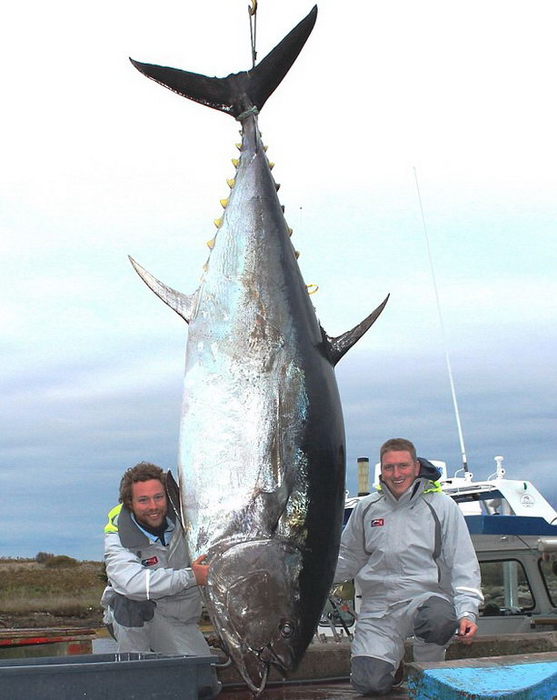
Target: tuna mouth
column 268, row 656
column 254, row 664
column 259, row 666
column 256, row 689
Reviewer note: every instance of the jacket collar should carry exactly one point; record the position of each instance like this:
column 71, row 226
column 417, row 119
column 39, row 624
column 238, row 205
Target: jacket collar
column 131, row 536
column 428, row 473
column 428, row 470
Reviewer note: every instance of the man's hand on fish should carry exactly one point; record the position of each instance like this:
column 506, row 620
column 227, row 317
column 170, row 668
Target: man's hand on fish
column 200, row 570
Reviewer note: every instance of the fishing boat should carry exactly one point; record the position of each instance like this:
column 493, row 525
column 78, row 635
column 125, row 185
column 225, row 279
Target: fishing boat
column 514, row 531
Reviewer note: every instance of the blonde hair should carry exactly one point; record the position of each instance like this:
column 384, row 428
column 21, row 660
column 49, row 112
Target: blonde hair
column 398, row 445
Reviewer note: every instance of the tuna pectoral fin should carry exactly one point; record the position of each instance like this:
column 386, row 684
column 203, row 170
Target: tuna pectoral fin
column 273, row 504
column 183, row 304
column 238, row 92
column 337, row 347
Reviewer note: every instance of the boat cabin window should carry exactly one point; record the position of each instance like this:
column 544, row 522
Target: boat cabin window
column 505, row 587
column 548, row 570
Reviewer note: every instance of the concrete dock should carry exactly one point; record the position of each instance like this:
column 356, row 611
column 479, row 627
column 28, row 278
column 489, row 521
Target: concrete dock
column 470, row 672
column 331, row 660
column 512, row 677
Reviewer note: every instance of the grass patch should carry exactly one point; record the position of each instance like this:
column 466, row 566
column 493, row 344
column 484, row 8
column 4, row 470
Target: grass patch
column 57, row 606
column 65, row 590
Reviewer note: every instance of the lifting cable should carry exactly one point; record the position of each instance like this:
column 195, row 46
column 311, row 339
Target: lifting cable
column 252, row 12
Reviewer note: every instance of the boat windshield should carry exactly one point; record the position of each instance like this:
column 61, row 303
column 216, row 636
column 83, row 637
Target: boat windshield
column 548, row 569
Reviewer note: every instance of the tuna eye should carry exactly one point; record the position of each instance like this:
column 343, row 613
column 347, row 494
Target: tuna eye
column 286, row 629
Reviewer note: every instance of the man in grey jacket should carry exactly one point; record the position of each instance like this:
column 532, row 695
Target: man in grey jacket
column 152, row 598
column 409, row 550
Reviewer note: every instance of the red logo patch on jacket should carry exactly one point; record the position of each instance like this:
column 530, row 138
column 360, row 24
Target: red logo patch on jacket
column 150, row 562
column 377, row 522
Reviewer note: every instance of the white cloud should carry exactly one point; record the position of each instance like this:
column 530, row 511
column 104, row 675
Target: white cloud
column 99, row 163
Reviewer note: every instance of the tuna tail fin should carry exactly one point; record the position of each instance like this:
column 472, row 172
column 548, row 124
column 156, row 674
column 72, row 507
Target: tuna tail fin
column 238, row 92
column 183, row 304
column 339, row 346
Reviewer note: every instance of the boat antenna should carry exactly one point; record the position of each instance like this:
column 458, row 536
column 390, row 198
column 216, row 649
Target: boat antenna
column 443, row 334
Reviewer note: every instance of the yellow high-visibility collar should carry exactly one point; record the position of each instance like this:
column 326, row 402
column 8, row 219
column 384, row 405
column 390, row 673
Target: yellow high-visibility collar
column 112, row 524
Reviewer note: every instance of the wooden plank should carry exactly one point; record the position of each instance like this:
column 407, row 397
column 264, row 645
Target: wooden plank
column 62, row 641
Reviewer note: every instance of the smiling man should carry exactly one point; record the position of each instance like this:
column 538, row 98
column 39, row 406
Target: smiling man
column 152, row 599
column 409, row 550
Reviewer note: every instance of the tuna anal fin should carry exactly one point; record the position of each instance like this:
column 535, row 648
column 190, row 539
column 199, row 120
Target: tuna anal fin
column 183, row 304
column 337, row 347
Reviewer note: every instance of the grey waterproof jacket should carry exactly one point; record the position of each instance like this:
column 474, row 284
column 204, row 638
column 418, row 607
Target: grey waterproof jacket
column 142, row 570
column 414, row 547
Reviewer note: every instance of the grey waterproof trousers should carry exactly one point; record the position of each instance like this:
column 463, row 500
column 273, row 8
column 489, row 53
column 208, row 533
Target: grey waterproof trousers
column 378, row 646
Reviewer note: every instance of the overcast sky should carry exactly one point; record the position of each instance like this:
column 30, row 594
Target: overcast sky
column 97, row 163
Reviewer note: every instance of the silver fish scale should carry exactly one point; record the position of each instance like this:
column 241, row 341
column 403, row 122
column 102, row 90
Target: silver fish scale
column 245, row 400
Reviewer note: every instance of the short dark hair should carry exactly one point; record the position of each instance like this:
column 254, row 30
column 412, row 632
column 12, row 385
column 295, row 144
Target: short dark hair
column 144, row 471
column 398, row 445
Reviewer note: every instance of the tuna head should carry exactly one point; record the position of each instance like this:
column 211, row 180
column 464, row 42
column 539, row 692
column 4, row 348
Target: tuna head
column 253, row 598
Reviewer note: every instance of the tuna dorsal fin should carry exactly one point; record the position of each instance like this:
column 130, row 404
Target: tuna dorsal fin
column 337, row 347
column 237, row 92
column 183, row 304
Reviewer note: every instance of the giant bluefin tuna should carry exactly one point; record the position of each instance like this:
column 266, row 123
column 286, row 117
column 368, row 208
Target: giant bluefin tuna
column 262, row 447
